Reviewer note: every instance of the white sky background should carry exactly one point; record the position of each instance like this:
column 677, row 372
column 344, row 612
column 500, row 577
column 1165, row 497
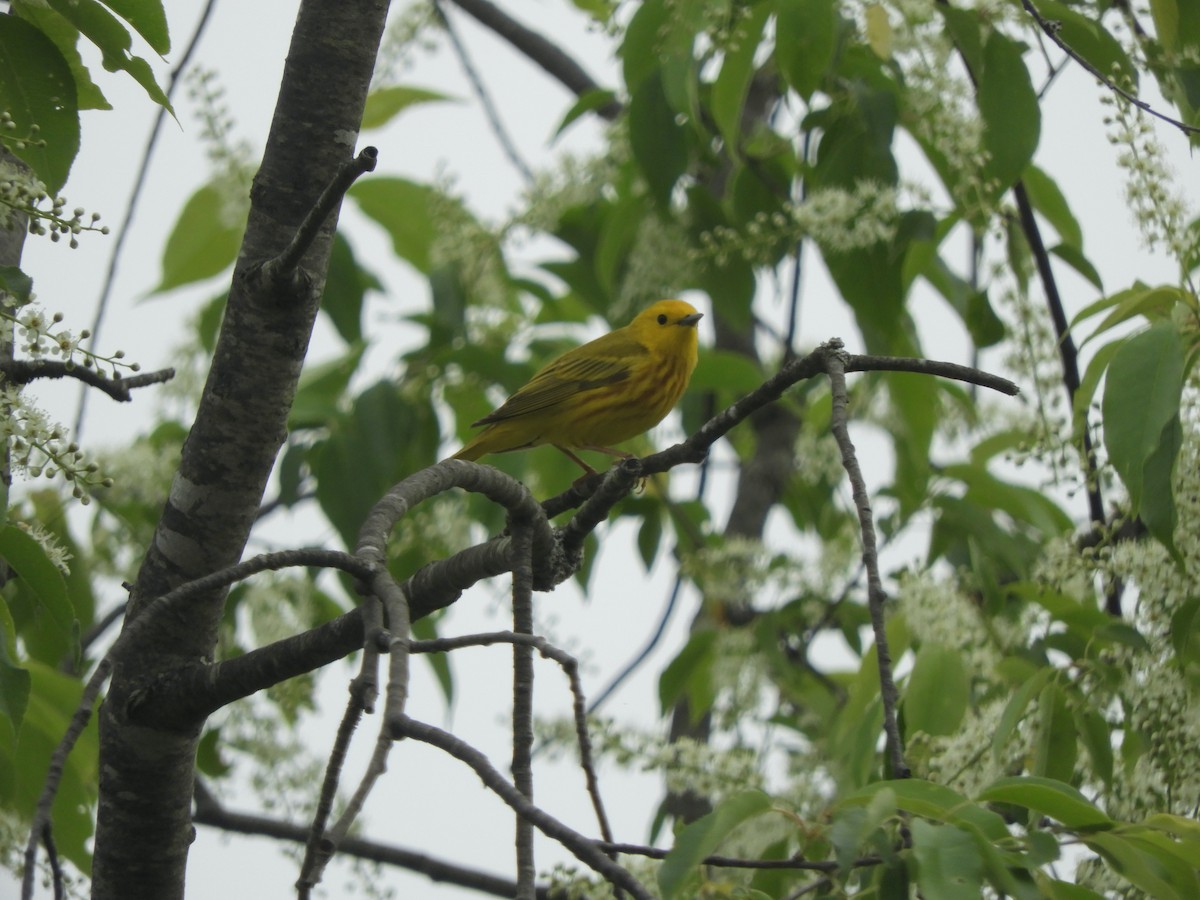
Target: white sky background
column 428, row 802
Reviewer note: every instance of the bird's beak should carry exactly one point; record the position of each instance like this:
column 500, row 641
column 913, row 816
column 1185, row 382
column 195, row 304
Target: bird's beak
column 690, row 320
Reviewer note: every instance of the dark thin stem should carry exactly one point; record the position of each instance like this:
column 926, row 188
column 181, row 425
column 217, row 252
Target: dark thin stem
column 1066, row 344
column 1052, row 29
column 40, row 830
column 212, row 814
column 522, row 714
column 23, row 371
column 316, row 848
column 544, row 53
column 585, row 850
column 490, row 112
column 870, row 556
column 640, row 657
column 734, row 862
column 285, row 264
column 142, row 170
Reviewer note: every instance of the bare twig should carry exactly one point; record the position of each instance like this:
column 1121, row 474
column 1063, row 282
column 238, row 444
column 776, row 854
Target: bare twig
column 522, row 712
column 23, row 371
column 1052, row 30
column 210, row 812
column 284, row 265
column 316, row 848
column 835, row 363
column 585, row 850
column 546, row 54
column 485, row 98
column 40, row 830
column 735, row 862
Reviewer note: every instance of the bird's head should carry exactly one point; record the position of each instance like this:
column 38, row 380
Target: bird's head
column 667, row 323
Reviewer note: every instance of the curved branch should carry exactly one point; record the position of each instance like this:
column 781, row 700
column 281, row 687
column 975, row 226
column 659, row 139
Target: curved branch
column 546, row 54
column 584, row 849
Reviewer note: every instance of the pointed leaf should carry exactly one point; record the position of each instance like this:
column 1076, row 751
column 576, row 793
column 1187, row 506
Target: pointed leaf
column 949, row 865
column 1049, row 797
column 702, row 837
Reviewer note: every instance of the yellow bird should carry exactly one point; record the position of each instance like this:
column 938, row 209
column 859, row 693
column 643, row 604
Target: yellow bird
column 603, row 393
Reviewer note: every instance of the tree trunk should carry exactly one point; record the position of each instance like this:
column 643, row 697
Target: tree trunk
column 144, row 824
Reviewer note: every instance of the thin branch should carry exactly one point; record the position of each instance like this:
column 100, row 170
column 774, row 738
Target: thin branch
column 40, row 830
column 1052, row 29
column 544, row 53
column 285, row 264
column 317, row 849
column 1066, row 344
column 23, row 371
column 735, row 862
column 585, row 850
column 570, row 667
column 522, row 712
column 143, row 169
column 870, row 556
column 212, row 813
column 490, row 112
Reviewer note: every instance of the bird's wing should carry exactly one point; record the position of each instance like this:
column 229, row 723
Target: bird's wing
column 604, row 361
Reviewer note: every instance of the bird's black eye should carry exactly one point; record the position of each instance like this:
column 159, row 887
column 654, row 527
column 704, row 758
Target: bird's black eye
column 662, row 320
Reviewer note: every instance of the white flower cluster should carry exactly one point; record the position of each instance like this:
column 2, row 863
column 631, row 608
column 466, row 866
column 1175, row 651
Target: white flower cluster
column 937, row 612
column 37, row 447
column 840, row 220
column 21, row 194
column 1157, row 206
column 41, row 335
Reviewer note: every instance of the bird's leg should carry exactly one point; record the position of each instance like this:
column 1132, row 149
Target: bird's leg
column 620, row 454
column 586, row 468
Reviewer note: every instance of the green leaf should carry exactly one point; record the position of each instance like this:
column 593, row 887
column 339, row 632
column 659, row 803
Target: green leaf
column 1055, row 745
column 1138, row 301
column 385, row 104
column 384, row 437
column 702, row 837
column 1081, row 406
column 1009, row 107
column 1132, row 863
column 1141, row 422
column 1049, row 797
column 346, row 286
column 14, row 681
column 726, row 370
column 14, row 281
column 1080, row 263
column 1166, row 22
column 37, row 88
column 1096, row 735
column 1048, row 199
column 935, row 700
column 649, row 537
column 148, row 19
column 205, row 240
column 112, row 38
column 1185, row 631
column 658, row 143
column 935, row 801
column 733, row 82
column 28, row 560
column 403, row 208
column 1053, row 889
column 1014, row 710
column 208, row 755
column 805, row 40
column 66, row 38
column 321, row 390
column 597, row 98
column 689, row 675
column 949, row 865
